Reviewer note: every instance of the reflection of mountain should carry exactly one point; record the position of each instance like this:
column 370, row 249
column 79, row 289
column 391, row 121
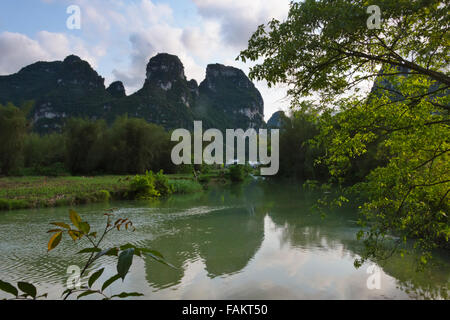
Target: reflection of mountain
column 225, row 240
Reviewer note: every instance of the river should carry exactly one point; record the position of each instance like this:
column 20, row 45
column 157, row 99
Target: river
column 259, row 240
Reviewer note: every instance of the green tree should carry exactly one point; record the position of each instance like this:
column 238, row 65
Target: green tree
column 13, row 128
column 298, row 154
column 325, row 49
column 137, row 146
column 85, row 145
column 43, row 151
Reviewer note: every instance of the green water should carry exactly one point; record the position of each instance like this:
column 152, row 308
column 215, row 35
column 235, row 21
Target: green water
column 253, row 241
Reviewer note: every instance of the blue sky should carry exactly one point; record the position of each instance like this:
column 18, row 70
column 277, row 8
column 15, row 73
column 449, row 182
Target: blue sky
column 118, row 37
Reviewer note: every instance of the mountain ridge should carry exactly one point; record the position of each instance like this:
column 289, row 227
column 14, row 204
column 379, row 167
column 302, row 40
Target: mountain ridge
column 226, row 98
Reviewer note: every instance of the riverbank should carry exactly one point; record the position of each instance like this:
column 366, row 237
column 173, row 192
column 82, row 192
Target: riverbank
column 40, row 192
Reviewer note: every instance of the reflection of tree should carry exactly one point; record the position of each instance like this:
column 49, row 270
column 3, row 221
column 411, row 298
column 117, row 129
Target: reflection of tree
column 303, row 228
column 228, row 238
column 431, row 283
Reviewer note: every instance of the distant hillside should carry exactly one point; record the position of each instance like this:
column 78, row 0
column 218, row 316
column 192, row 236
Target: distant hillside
column 276, row 120
column 226, row 98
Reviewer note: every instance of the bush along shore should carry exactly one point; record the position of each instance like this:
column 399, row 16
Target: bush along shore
column 40, row 192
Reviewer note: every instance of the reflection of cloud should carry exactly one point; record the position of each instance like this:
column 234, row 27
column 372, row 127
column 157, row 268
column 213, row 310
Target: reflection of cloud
column 279, row 270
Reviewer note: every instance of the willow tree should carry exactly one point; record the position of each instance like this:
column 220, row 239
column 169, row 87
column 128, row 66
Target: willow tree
column 328, row 50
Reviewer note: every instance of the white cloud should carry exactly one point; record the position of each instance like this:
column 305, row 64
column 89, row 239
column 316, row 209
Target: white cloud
column 123, row 35
column 240, row 18
column 19, row 50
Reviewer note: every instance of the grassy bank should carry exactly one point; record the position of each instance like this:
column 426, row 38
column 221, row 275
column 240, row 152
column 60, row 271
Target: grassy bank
column 38, row 192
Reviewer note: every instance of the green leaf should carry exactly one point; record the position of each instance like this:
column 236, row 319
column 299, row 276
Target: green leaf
column 75, row 218
column 85, row 227
column 54, row 241
column 107, row 252
column 27, row 288
column 61, row 224
column 75, row 235
column 89, row 250
column 65, row 292
column 95, row 276
column 86, row 293
column 125, row 261
column 127, row 246
column 127, row 294
column 108, row 282
column 54, row 230
column 9, row 288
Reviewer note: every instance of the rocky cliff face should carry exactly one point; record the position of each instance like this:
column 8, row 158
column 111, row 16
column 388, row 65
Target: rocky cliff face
column 227, row 90
column 276, row 120
column 71, row 88
column 60, row 89
column 116, row 89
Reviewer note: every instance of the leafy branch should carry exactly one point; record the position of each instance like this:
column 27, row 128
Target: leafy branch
column 82, row 229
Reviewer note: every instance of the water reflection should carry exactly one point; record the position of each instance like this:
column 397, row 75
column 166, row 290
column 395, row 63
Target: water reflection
column 225, row 240
column 254, row 241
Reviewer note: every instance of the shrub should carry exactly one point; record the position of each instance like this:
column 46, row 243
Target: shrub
column 238, row 172
column 162, row 184
column 184, row 168
column 143, row 187
column 204, row 179
column 103, row 195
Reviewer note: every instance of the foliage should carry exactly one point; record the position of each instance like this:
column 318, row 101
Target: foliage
column 36, row 192
column 238, row 173
column 183, row 186
column 396, row 136
column 42, row 152
column 162, row 184
column 150, row 185
column 325, row 47
column 298, row 152
column 204, row 179
column 142, row 187
column 77, row 231
column 13, row 127
column 84, row 147
column 137, row 146
column 85, row 142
